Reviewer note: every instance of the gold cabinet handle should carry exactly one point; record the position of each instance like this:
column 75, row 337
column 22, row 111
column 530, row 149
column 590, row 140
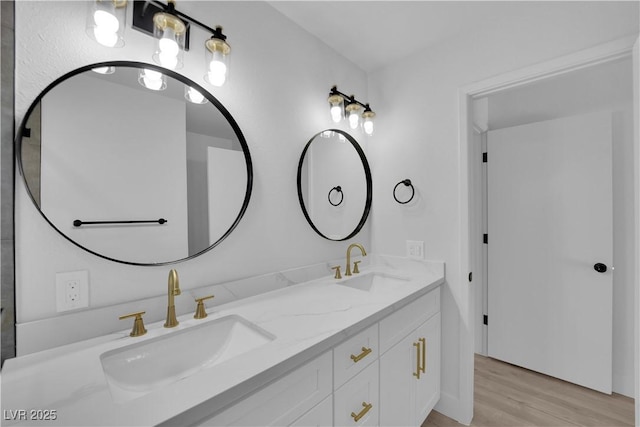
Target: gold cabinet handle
column 367, row 408
column 418, row 367
column 201, row 313
column 361, row 356
column 138, row 324
column 424, row 354
column 337, row 275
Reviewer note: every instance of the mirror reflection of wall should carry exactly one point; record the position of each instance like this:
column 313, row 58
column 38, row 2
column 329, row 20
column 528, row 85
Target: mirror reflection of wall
column 111, row 150
column 333, row 159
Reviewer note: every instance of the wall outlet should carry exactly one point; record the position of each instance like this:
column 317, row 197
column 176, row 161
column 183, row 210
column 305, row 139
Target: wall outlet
column 72, row 290
column 415, row 249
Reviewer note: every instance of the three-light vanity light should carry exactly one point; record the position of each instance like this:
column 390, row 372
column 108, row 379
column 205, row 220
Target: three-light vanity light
column 357, row 113
column 170, row 30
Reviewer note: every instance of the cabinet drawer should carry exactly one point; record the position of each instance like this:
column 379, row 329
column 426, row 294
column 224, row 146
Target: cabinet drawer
column 355, row 354
column 399, row 324
column 283, row 401
column 358, row 399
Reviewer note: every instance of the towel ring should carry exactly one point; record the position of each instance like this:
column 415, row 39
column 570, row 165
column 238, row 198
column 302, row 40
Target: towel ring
column 407, row 183
column 339, row 190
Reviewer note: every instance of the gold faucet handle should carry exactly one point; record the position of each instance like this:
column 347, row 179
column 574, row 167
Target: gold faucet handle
column 337, row 269
column 201, row 313
column 355, row 267
column 138, row 324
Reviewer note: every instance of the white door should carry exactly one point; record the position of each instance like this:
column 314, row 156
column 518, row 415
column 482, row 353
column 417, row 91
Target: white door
column 549, row 230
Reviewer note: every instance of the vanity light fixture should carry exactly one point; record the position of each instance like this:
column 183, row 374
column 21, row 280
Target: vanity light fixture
column 104, row 70
column 105, row 22
column 171, row 30
column 356, row 112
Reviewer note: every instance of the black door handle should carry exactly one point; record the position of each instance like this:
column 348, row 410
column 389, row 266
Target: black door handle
column 600, row 267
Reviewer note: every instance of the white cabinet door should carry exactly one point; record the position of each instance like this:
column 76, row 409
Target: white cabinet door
column 397, row 369
column 356, row 403
column 428, row 386
column 410, row 377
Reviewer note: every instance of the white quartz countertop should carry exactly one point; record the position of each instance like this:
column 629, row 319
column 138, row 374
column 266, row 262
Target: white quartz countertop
column 306, row 320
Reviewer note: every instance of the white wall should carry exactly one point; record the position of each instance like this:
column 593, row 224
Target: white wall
column 264, row 82
column 417, row 138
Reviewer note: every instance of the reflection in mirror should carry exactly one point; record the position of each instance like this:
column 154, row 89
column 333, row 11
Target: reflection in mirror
column 334, row 185
column 101, row 147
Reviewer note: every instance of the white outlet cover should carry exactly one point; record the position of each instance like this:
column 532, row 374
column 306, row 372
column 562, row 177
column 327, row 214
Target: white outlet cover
column 415, row 249
column 80, row 279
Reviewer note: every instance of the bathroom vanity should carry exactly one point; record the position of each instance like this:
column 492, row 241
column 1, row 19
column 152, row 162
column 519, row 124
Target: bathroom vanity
column 361, row 350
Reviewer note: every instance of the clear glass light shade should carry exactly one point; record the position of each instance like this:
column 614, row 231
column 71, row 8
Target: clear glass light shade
column 367, row 123
column 336, row 109
column 216, row 61
column 194, row 96
column 151, row 79
column 106, row 22
column 169, row 32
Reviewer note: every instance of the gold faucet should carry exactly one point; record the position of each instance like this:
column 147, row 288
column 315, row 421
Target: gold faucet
column 174, row 289
column 351, row 246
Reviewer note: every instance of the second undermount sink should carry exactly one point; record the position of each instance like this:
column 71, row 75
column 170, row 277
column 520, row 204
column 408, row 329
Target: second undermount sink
column 140, row 368
column 373, row 281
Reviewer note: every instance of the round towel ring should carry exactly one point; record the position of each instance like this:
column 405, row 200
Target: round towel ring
column 407, row 183
column 339, row 190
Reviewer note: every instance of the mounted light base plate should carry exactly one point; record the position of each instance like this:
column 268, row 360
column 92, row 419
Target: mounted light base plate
column 143, row 12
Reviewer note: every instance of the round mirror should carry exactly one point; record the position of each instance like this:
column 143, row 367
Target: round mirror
column 334, row 185
column 135, row 163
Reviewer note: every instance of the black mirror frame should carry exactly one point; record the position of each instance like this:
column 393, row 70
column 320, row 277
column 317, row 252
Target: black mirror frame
column 184, row 80
column 367, row 172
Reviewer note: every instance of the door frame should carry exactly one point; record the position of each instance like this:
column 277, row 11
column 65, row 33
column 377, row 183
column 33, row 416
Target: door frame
column 469, row 179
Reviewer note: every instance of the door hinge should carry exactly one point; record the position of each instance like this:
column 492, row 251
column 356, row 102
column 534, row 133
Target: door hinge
column 485, row 319
column 485, row 238
column 484, row 157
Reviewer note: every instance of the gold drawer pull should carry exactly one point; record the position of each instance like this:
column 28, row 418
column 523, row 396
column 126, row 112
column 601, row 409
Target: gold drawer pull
column 418, row 368
column 361, row 356
column 424, row 354
column 367, row 407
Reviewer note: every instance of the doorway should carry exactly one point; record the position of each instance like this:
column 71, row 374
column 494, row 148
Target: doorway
column 470, row 175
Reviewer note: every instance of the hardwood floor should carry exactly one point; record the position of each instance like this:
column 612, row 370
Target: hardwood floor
column 506, row 395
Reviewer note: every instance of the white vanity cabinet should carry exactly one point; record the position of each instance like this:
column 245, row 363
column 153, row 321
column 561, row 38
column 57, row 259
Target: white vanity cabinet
column 386, row 375
column 410, row 367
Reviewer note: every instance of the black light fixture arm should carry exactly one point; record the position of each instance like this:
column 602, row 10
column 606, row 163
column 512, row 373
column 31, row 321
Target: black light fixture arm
column 171, row 8
column 350, row 98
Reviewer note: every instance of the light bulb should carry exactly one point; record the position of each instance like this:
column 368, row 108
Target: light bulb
column 368, row 127
column 168, row 44
column 195, row 96
column 106, row 21
column 168, row 61
column 151, row 79
column 353, row 119
column 336, row 113
column 104, row 37
column 217, row 73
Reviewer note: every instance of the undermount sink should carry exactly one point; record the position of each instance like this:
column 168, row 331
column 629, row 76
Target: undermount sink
column 140, row 368
column 373, row 281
